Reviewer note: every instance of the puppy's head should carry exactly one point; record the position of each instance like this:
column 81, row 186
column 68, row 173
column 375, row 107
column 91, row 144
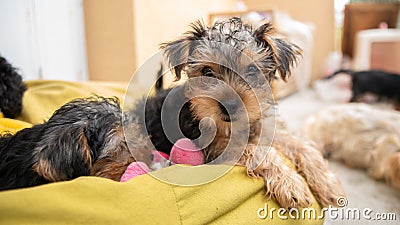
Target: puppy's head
column 231, row 44
column 83, row 137
column 233, row 66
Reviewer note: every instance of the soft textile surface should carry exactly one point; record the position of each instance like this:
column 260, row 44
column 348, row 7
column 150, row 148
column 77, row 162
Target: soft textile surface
column 231, row 199
column 43, row 97
column 11, row 126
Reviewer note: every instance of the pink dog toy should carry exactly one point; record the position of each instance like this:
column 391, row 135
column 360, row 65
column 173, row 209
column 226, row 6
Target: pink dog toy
column 184, row 151
column 135, row 169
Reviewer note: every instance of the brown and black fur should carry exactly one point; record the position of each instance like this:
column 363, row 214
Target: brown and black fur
column 234, row 65
column 226, row 106
column 84, row 137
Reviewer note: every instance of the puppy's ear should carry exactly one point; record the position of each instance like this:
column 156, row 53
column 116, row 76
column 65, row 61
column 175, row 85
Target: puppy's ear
column 63, row 153
column 284, row 54
column 177, row 52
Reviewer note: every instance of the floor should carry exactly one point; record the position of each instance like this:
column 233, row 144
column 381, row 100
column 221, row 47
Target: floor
column 364, row 195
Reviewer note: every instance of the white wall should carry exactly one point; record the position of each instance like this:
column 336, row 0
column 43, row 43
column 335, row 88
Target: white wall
column 44, row 38
column 161, row 21
column 17, row 41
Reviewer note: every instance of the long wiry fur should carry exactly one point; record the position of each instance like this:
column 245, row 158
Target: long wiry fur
column 361, row 136
column 84, row 137
column 228, row 50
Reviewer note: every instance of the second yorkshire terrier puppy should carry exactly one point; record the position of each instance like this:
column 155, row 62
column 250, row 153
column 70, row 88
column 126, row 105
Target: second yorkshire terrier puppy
column 227, row 108
column 84, row 137
column 360, row 136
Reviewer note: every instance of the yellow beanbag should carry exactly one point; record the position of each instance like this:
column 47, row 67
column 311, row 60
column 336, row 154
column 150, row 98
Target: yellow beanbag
column 43, row 97
column 11, row 125
column 233, row 198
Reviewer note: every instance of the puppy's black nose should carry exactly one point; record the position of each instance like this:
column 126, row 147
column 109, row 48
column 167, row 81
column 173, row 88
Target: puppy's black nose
column 229, row 107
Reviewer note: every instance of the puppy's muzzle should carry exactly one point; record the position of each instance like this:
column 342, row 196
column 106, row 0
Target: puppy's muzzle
column 229, row 109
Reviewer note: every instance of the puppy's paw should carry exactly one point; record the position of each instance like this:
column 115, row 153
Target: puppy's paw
column 330, row 194
column 292, row 192
column 282, row 182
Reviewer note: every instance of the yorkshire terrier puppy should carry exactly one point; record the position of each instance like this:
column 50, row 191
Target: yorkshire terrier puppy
column 384, row 85
column 360, row 136
column 84, row 137
column 226, row 107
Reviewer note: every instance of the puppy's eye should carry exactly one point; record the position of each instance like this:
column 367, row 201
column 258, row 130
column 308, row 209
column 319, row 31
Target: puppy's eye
column 207, row 71
column 252, row 69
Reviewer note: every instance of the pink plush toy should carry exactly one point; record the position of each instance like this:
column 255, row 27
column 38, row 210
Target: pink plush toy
column 184, row 151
